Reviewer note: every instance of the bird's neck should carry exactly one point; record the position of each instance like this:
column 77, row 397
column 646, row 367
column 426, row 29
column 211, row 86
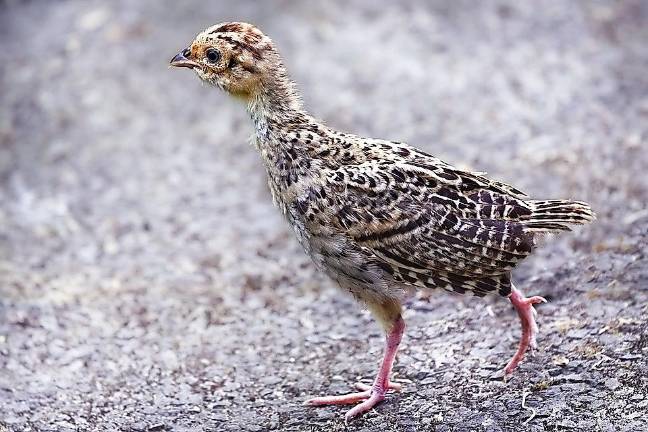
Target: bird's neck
column 275, row 109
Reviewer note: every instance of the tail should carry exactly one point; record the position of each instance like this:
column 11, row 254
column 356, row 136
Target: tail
column 557, row 215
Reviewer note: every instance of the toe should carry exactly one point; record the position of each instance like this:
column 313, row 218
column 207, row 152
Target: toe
column 537, row 299
column 365, row 406
column 338, row 400
column 362, row 386
column 366, row 387
column 391, row 386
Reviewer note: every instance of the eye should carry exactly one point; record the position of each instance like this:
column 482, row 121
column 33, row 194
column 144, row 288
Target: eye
column 212, row 55
column 186, row 52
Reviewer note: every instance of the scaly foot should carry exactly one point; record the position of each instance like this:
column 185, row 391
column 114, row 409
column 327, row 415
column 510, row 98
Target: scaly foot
column 350, row 398
column 369, row 395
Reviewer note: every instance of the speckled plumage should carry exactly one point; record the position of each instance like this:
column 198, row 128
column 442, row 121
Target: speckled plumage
column 381, row 218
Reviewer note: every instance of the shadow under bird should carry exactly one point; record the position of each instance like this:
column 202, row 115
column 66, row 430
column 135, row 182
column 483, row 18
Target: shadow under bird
column 381, row 218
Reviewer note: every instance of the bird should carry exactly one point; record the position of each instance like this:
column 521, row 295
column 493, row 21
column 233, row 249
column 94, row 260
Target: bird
column 383, row 219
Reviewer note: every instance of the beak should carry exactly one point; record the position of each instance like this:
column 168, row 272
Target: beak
column 179, row 60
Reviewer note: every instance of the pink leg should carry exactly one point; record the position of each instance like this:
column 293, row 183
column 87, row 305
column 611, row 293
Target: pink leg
column 526, row 312
column 370, row 396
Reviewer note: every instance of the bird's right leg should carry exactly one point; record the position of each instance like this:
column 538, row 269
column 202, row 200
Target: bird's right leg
column 389, row 314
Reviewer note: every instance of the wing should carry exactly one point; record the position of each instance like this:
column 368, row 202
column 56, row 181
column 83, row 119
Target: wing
column 429, row 224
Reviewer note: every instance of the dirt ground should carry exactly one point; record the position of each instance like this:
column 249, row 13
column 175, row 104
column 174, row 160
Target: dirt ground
column 148, row 284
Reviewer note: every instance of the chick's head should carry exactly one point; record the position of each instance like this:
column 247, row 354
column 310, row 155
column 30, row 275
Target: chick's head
column 236, row 57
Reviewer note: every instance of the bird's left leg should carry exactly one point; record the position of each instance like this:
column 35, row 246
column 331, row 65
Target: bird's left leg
column 526, row 312
column 388, row 314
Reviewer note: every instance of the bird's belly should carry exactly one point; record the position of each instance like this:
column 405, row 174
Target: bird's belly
column 352, row 268
column 332, row 252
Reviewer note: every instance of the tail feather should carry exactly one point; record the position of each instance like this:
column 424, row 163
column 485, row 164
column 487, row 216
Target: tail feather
column 557, row 215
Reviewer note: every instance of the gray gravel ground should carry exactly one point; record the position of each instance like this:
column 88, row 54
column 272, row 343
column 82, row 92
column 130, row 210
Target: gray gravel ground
column 147, row 283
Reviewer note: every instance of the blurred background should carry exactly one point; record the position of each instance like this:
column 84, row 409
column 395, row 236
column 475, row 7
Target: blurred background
column 147, row 282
